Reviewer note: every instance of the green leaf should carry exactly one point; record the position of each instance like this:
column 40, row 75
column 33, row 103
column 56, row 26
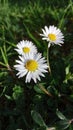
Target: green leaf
column 64, row 124
column 60, row 115
column 51, row 128
column 37, row 118
column 67, row 69
column 4, row 56
column 1, row 94
column 2, row 64
column 17, row 92
column 38, row 90
column 8, row 97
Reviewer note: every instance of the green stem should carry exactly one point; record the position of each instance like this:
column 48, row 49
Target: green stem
column 2, row 64
column 11, row 71
column 45, row 90
column 3, row 92
column 48, row 60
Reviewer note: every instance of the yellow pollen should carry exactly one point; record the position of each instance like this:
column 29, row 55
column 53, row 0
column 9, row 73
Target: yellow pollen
column 31, row 65
column 52, row 37
column 26, row 49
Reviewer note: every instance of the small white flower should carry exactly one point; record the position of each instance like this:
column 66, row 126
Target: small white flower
column 25, row 47
column 33, row 66
column 53, row 35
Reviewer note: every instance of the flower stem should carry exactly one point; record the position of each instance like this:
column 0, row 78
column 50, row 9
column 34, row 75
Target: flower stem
column 48, row 60
column 11, row 71
column 45, row 91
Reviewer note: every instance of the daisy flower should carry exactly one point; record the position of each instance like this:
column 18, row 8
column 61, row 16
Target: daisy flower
column 53, row 35
column 25, row 47
column 31, row 66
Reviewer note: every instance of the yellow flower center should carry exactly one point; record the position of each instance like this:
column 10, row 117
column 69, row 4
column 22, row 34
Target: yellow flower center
column 26, row 49
column 52, row 37
column 31, row 65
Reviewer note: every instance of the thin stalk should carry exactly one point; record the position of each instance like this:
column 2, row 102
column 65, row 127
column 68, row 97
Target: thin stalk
column 2, row 64
column 48, row 60
column 11, row 71
column 45, row 91
column 3, row 91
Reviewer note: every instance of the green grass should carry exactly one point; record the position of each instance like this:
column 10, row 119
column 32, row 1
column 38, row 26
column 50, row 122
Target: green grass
column 26, row 106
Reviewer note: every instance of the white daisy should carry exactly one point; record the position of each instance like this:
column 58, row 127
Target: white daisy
column 53, row 35
column 33, row 66
column 25, row 47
